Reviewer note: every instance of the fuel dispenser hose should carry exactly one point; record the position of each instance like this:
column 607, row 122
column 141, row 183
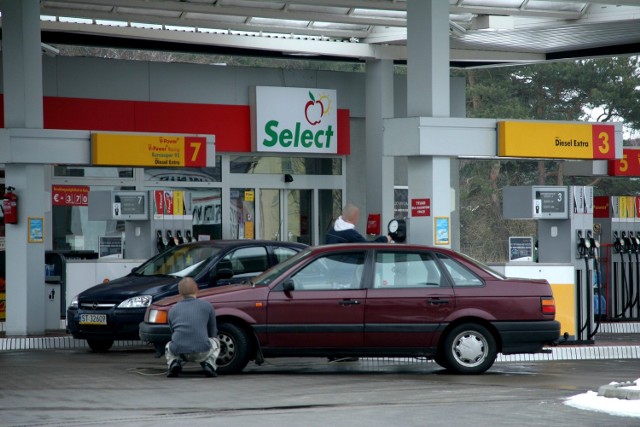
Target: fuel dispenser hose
column 627, row 286
column 598, row 317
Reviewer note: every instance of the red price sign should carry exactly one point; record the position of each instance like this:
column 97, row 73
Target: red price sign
column 603, row 137
column 70, row 195
column 195, row 151
column 628, row 165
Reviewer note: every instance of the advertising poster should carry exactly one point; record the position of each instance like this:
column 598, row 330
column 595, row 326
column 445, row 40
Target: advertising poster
column 521, row 248
column 36, row 230
column 441, row 228
column 111, row 247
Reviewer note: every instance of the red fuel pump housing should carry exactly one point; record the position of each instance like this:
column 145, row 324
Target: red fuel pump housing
column 10, row 206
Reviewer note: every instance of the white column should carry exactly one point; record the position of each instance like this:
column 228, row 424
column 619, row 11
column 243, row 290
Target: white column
column 22, row 74
column 428, row 96
column 379, row 106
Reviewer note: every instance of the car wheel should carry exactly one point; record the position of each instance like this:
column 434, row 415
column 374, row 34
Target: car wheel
column 441, row 359
column 234, row 349
column 469, row 349
column 100, row 346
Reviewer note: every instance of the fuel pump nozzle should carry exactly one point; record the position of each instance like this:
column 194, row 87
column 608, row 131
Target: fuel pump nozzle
column 618, row 242
column 635, row 242
column 583, row 245
column 627, row 241
column 593, row 244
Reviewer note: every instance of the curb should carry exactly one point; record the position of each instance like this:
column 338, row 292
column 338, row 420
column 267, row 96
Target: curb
column 620, row 391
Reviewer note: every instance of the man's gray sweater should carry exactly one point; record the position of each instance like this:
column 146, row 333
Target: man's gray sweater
column 192, row 322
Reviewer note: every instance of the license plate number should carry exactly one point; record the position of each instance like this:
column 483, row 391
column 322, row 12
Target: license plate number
column 93, row 319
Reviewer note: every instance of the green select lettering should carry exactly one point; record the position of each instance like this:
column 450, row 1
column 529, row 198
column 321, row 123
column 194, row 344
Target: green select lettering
column 287, row 138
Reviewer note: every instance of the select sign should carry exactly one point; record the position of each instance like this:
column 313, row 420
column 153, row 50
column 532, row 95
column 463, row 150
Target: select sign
column 294, row 120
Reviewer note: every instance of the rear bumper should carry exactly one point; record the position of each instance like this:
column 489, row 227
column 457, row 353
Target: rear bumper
column 527, row 337
column 154, row 333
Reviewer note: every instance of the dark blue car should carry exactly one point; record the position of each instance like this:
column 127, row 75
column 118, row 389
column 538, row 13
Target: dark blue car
column 113, row 310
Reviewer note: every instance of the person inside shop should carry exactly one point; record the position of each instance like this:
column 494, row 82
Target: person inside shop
column 344, row 228
column 194, row 332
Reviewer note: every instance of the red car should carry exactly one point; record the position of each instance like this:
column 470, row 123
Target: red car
column 376, row 300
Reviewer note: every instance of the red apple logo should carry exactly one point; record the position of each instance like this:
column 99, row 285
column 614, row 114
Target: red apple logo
column 314, row 110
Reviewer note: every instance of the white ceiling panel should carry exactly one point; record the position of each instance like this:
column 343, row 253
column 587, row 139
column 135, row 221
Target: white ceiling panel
column 501, row 29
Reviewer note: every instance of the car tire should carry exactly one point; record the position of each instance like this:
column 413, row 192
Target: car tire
column 234, row 349
column 100, row 346
column 469, row 349
column 440, row 359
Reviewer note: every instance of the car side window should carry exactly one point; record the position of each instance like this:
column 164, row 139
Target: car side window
column 460, row 274
column 247, row 262
column 406, row 270
column 337, row 271
column 283, row 253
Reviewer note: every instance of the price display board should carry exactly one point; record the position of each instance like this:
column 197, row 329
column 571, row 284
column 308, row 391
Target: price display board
column 130, row 205
column 628, row 165
column 556, row 140
column 148, row 150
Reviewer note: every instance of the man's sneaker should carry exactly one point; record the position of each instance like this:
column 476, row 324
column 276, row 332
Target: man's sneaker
column 174, row 369
column 209, row 371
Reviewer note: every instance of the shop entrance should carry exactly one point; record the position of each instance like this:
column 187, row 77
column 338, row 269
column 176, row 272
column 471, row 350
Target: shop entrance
column 286, row 215
column 293, row 215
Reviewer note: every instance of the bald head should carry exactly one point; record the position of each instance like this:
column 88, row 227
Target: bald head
column 188, row 287
column 351, row 213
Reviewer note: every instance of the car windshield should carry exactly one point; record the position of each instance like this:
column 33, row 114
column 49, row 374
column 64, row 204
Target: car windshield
column 179, row 261
column 270, row 275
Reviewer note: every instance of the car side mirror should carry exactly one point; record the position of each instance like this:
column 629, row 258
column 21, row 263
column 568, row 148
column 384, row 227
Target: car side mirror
column 288, row 285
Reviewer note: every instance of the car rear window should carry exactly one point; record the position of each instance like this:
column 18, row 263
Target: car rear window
column 460, row 274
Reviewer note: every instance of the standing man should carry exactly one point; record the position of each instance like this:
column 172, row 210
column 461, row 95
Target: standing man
column 344, row 229
column 194, row 333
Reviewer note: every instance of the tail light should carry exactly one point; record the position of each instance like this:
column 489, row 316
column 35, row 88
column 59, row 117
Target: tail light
column 548, row 305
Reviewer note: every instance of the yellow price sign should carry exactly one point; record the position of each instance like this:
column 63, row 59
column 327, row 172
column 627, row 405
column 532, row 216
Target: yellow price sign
column 556, row 140
column 111, row 149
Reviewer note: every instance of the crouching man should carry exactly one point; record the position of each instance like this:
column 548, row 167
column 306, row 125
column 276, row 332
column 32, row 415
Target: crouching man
column 193, row 332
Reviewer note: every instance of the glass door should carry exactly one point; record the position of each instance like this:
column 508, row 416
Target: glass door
column 270, row 221
column 299, row 220
column 286, row 215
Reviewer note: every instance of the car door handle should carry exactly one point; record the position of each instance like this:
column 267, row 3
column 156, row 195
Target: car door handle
column 349, row 302
column 437, row 301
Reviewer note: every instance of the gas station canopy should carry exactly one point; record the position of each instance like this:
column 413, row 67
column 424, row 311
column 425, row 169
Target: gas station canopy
column 482, row 32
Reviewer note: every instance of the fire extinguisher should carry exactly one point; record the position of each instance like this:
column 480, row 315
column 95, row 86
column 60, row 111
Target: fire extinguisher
column 10, row 206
